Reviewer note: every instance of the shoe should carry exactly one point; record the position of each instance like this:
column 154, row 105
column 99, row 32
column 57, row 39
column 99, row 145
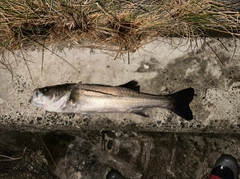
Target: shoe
column 114, row 175
column 226, row 167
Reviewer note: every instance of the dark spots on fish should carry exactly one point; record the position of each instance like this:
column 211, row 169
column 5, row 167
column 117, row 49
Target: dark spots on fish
column 159, row 122
column 114, row 175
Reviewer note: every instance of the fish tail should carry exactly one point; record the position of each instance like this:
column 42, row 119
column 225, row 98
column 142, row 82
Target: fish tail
column 181, row 101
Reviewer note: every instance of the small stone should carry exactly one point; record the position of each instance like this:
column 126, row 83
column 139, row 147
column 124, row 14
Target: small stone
column 164, row 88
column 146, row 66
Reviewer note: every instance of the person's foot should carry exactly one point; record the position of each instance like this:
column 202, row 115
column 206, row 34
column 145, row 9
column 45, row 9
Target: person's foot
column 226, row 167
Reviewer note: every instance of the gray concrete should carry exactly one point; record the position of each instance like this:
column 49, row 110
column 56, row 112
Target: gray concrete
column 160, row 67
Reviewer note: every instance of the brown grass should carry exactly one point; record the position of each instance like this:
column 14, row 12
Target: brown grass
column 123, row 25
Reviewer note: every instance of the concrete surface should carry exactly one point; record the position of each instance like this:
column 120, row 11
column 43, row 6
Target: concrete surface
column 161, row 67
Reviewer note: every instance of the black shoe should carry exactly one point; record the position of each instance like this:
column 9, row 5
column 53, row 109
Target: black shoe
column 114, row 175
column 226, row 167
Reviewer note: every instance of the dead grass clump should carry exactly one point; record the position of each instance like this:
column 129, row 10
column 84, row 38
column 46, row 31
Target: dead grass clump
column 123, row 25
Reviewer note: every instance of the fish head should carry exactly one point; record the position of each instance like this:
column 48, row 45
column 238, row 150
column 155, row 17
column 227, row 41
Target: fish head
column 43, row 96
column 50, row 97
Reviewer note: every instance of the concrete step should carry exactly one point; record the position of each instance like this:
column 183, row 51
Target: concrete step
column 210, row 67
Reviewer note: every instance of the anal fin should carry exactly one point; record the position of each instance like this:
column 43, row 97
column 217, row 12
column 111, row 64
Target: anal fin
column 141, row 113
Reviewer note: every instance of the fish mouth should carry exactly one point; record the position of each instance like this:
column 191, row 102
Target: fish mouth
column 34, row 102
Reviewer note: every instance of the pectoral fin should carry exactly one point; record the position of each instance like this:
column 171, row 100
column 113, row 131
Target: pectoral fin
column 75, row 93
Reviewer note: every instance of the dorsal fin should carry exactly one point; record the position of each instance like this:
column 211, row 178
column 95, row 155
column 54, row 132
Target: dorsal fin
column 133, row 85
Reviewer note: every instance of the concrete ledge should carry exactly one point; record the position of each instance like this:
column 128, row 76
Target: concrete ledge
column 159, row 67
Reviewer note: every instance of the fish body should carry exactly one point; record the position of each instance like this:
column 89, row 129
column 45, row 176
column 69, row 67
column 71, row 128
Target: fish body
column 90, row 98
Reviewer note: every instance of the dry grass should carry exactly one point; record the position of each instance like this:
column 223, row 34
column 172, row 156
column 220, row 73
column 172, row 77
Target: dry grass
column 121, row 25
column 112, row 22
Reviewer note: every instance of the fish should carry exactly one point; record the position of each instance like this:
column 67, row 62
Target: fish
column 95, row 98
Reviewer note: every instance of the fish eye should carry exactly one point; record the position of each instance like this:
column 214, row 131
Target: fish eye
column 43, row 90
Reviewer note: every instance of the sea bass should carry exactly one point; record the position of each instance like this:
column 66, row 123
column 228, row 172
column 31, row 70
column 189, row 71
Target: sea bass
column 93, row 98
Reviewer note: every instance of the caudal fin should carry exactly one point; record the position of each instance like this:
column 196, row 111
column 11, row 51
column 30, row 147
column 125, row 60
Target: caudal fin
column 181, row 101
